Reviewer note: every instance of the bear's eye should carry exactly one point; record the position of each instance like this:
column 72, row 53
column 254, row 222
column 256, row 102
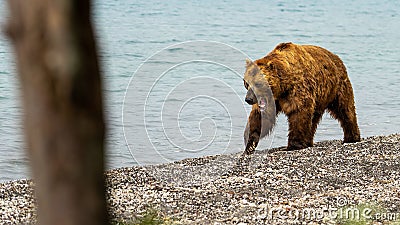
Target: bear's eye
column 259, row 85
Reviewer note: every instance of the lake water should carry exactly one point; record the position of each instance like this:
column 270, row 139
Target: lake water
column 195, row 103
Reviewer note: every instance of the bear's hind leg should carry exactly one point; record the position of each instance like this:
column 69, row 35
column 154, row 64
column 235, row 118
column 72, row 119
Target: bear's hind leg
column 300, row 135
column 345, row 111
column 253, row 131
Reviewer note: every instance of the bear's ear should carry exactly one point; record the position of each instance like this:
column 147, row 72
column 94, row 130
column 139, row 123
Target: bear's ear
column 248, row 62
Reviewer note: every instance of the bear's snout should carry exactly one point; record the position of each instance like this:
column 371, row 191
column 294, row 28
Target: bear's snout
column 250, row 97
column 250, row 101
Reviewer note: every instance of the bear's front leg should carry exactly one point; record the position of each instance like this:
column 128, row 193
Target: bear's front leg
column 300, row 135
column 253, row 130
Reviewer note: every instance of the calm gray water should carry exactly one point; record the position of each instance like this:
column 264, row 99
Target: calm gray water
column 364, row 33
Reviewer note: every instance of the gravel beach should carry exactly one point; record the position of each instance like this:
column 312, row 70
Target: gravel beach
column 311, row 186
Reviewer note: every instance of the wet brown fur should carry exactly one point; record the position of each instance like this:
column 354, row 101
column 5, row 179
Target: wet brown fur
column 306, row 80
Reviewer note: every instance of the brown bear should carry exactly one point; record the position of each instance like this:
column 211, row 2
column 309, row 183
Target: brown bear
column 305, row 80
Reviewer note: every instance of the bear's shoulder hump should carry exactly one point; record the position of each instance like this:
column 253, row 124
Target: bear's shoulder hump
column 283, row 46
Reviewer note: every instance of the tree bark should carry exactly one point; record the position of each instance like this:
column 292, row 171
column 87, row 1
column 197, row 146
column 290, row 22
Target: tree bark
column 62, row 100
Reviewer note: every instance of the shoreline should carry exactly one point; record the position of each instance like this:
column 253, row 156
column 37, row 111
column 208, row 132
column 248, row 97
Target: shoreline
column 270, row 187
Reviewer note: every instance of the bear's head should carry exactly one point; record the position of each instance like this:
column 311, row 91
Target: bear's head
column 255, row 84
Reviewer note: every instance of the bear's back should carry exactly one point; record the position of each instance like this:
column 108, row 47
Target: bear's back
column 305, row 67
column 292, row 60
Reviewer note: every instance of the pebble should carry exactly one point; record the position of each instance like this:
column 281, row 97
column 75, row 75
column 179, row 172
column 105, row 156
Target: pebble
column 268, row 187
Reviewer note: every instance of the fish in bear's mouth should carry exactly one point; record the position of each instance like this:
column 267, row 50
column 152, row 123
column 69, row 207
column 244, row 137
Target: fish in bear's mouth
column 262, row 104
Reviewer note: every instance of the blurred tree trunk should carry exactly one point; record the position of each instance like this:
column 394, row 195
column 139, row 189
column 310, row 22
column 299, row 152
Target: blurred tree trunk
column 62, row 100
